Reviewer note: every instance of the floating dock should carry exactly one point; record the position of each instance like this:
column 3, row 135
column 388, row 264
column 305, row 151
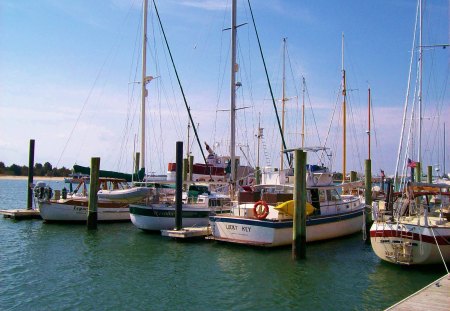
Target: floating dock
column 435, row 296
column 187, row 233
column 19, row 214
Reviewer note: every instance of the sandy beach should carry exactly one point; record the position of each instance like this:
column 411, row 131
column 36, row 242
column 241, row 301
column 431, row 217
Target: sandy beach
column 34, row 178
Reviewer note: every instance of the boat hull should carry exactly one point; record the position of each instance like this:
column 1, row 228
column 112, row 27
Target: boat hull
column 76, row 211
column 272, row 233
column 158, row 217
column 409, row 244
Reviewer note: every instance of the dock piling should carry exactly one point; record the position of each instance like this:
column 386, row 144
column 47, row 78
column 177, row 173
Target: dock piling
column 430, row 174
column 93, row 189
column 179, row 186
column 299, row 225
column 30, row 176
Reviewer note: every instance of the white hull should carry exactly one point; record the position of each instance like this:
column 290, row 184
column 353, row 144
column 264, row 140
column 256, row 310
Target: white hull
column 278, row 233
column 158, row 217
column 411, row 244
column 51, row 211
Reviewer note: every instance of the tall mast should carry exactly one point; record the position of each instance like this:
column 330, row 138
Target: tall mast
column 303, row 113
column 259, row 136
column 143, row 82
column 344, row 116
column 283, row 100
column 233, row 93
column 419, row 153
column 368, row 131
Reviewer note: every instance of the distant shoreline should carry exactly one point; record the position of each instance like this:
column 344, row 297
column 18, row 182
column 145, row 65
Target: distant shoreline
column 11, row 177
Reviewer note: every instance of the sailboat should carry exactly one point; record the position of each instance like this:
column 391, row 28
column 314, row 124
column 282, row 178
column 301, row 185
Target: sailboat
column 263, row 215
column 411, row 230
column 64, row 206
column 157, row 212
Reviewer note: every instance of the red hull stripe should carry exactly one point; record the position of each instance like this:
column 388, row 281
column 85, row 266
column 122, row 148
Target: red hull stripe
column 442, row 240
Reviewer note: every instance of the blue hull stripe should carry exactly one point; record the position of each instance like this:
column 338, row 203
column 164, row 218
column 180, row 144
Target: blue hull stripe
column 279, row 224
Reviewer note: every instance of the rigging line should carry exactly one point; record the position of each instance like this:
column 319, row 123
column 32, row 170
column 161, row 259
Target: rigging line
column 405, row 108
column 331, row 122
column 220, row 79
column 179, row 83
column 313, row 115
column 353, row 131
column 270, row 87
column 440, row 253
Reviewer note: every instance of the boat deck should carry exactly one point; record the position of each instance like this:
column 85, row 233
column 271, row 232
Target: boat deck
column 434, row 296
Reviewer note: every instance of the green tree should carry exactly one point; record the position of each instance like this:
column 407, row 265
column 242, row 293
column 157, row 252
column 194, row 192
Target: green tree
column 47, row 169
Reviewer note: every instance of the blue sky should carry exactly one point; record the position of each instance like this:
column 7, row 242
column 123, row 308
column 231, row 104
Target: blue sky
column 68, row 70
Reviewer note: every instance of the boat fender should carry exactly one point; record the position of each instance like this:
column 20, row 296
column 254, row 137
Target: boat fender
column 257, row 211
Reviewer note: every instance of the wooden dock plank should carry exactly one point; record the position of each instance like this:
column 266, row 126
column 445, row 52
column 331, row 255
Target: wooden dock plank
column 186, row 233
column 435, row 296
column 19, row 214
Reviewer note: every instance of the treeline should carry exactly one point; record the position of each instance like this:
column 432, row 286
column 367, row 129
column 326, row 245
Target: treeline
column 39, row 170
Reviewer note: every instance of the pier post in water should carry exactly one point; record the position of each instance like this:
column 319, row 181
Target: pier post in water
column 430, row 174
column 93, row 197
column 299, row 225
column 353, row 176
column 136, row 165
column 418, row 171
column 30, row 175
column 368, row 198
column 179, row 186
column 257, row 175
column 191, row 167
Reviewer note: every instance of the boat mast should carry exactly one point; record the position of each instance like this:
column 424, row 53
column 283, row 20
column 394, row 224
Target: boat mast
column 368, row 131
column 259, row 136
column 303, row 113
column 344, row 108
column 283, row 102
column 233, row 94
column 143, row 82
column 419, row 152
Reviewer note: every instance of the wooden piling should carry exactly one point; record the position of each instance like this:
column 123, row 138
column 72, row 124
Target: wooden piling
column 93, row 189
column 185, row 166
column 353, row 176
column 136, row 165
column 191, row 167
column 430, row 174
column 257, row 175
column 30, row 176
column 179, row 186
column 418, row 171
column 368, row 198
column 299, row 225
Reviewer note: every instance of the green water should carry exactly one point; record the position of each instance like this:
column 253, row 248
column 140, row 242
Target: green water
column 118, row 267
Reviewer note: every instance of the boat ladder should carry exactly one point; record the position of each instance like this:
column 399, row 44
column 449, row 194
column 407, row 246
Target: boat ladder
column 402, row 248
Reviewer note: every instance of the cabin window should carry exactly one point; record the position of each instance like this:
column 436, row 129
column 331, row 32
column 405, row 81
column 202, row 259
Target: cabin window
column 322, row 196
column 334, row 195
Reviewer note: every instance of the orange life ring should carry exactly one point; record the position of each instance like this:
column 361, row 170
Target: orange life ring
column 256, row 210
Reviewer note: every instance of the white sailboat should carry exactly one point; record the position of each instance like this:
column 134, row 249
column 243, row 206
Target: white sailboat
column 263, row 216
column 158, row 210
column 73, row 207
column 412, row 231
